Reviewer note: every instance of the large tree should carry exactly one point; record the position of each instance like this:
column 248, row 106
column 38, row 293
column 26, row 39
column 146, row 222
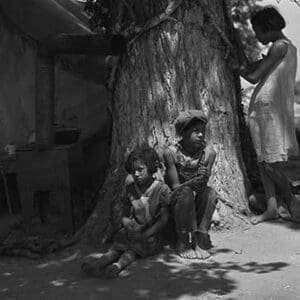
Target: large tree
column 177, row 57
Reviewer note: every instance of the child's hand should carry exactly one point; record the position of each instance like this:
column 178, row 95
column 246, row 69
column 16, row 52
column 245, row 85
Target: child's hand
column 202, row 171
column 136, row 235
column 130, row 224
column 198, row 183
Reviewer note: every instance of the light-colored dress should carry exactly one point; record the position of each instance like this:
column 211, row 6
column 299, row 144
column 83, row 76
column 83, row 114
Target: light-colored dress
column 271, row 111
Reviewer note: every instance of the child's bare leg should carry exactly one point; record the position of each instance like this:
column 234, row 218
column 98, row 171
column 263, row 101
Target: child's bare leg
column 125, row 260
column 95, row 266
column 269, row 188
column 185, row 222
column 206, row 204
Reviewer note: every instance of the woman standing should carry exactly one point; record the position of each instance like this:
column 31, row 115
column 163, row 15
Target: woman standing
column 271, row 110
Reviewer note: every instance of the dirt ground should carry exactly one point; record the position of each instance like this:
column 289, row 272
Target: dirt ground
column 258, row 262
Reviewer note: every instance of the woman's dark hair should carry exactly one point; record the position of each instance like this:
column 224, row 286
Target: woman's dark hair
column 145, row 154
column 268, row 19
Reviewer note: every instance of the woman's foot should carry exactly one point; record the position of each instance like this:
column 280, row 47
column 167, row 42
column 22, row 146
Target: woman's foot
column 295, row 208
column 266, row 216
column 112, row 271
column 285, row 215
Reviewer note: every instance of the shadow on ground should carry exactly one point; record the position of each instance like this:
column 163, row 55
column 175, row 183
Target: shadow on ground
column 161, row 277
column 286, row 223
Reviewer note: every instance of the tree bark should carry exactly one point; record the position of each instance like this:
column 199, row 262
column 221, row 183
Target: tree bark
column 180, row 64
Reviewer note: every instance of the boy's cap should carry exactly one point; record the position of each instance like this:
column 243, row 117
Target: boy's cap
column 185, row 117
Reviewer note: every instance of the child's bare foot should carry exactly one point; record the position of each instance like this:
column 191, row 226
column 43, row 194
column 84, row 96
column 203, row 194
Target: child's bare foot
column 112, row 271
column 201, row 253
column 266, row 216
column 186, row 251
column 203, row 242
column 184, row 247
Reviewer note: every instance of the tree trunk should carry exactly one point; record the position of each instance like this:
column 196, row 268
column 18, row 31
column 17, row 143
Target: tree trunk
column 180, row 64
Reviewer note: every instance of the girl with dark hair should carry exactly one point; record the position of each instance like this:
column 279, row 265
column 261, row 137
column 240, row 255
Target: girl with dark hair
column 271, row 112
column 268, row 19
column 145, row 213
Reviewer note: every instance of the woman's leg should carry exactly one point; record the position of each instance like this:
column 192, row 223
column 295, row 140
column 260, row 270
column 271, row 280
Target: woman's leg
column 125, row 260
column 257, row 203
column 269, row 188
column 289, row 199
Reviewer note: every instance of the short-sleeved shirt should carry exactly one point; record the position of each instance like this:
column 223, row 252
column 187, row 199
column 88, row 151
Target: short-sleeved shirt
column 145, row 207
column 187, row 166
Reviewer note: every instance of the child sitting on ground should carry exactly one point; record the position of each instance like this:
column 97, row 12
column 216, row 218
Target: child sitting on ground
column 145, row 212
column 188, row 168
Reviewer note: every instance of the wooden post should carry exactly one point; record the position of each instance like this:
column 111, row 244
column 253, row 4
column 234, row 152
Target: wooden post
column 44, row 100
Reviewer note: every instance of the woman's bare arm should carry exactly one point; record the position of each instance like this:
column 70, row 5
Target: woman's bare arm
column 257, row 71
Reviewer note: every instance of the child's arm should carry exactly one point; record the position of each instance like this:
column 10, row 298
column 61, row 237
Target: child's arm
column 162, row 215
column 254, row 73
column 204, row 171
column 159, row 223
column 172, row 175
column 171, row 171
